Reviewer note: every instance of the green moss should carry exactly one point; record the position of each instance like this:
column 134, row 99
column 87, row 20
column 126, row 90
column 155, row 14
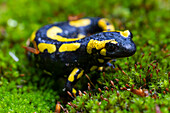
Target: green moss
column 24, row 98
column 24, row 88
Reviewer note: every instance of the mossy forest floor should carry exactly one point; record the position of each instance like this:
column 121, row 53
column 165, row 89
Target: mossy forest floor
column 140, row 83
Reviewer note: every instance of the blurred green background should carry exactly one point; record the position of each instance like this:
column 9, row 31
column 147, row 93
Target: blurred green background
column 24, row 88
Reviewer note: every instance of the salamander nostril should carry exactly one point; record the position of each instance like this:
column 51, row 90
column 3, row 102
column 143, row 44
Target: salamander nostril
column 131, row 49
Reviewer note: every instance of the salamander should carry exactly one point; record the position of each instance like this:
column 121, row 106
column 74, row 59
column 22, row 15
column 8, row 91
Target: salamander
column 79, row 46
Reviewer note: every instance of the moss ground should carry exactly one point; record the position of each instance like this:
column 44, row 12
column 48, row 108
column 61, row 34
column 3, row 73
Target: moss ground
column 24, row 88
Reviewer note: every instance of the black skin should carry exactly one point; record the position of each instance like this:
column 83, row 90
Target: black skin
column 62, row 63
column 57, row 62
column 80, row 58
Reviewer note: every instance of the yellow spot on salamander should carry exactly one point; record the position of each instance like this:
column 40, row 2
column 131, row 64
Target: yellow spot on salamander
column 80, row 23
column 98, row 44
column 125, row 33
column 113, row 42
column 93, row 68
column 80, row 74
column 81, row 36
column 103, row 24
column 100, row 68
column 33, row 35
column 50, row 47
column 69, row 47
column 72, row 74
column 101, row 60
column 52, row 34
column 103, row 52
column 74, row 91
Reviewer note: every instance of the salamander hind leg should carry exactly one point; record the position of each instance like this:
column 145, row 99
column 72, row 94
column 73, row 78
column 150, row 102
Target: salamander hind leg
column 72, row 79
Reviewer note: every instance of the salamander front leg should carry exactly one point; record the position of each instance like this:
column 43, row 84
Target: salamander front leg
column 72, row 79
column 107, row 64
column 110, row 65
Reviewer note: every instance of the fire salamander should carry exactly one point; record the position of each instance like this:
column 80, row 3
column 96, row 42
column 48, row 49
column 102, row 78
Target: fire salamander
column 79, row 46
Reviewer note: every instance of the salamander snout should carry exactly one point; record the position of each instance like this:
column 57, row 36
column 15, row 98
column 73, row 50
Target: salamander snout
column 129, row 49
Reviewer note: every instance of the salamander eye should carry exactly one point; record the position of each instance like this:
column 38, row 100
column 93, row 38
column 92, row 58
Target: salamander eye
column 110, row 47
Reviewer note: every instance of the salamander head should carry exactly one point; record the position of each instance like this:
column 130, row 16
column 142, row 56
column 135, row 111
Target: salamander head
column 123, row 46
column 112, row 44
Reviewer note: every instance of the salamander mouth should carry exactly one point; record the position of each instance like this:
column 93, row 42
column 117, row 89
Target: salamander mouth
column 113, row 55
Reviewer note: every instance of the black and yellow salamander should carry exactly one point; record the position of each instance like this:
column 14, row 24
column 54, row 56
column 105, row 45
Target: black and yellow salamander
column 78, row 47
